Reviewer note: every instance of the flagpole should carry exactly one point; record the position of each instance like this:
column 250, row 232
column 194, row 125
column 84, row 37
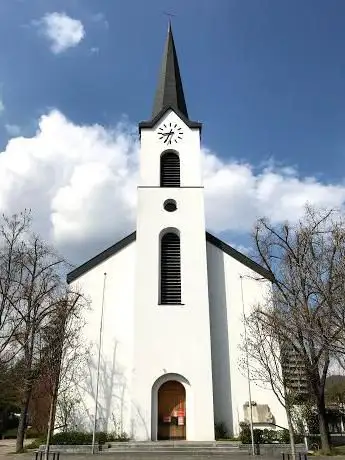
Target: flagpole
column 98, row 367
column 248, row 373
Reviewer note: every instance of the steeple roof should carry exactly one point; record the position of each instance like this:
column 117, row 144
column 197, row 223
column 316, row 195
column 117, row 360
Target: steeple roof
column 169, row 91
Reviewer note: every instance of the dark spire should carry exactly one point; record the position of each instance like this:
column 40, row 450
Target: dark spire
column 169, row 91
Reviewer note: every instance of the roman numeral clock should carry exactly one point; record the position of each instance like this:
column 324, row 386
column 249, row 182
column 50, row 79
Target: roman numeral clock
column 170, row 133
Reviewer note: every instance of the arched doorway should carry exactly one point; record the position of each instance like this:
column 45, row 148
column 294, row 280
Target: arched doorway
column 171, row 411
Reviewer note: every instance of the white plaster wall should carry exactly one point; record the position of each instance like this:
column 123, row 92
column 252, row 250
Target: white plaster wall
column 117, row 343
column 227, row 331
column 188, row 149
column 170, row 338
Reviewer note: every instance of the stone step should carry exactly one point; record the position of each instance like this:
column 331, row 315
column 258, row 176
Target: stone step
column 176, row 444
column 149, row 446
column 170, row 448
column 173, row 446
column 197, row 452
column 169, row 445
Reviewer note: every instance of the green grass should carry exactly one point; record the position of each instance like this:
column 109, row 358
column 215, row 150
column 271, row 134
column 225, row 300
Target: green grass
column 10, row 434
column 35, row 444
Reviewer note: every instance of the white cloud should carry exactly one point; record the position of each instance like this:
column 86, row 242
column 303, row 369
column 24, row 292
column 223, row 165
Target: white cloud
column 62, row 31
column 80, row 182
column 13, row 130
column 236, row 195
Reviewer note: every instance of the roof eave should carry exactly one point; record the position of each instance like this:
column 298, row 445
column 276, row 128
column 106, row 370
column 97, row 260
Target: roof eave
column 99, row 258
column 245, row 260
column 115, row 248
column 149, row 124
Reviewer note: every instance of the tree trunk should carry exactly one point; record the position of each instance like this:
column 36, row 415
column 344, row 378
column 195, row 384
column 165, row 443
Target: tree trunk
column 50, row 424
column 23, row 422
column 325, row 444
column 291, row 433
column 54, row 413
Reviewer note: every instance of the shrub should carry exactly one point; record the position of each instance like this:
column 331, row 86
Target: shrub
column 71, row 438
column 258, row 436
column 81, row 438
column 10, row 434
column 299, row 438
column 245, row 437
column 35, row 444
column 284, row 436
column 31, row 434
column 123, row 437
column 266, row 436
column 314, row 442
column 269, row 436
column 102, row 437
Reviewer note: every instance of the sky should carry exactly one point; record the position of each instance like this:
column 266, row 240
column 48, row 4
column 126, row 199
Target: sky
column 265, row 77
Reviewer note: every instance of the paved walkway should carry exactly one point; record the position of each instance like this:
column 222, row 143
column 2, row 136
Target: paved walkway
column 8, row 447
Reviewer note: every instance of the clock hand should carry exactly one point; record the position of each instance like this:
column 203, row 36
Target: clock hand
column 168, row 135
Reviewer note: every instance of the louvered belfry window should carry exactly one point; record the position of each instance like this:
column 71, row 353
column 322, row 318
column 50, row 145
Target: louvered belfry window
column 170, row 170
column 170, row 269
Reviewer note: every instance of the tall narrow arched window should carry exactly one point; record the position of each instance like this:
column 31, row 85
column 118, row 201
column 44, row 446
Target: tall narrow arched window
column 170, row 170
column 170, row 269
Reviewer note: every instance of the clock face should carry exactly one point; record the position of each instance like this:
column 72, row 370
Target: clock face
column 170, row 133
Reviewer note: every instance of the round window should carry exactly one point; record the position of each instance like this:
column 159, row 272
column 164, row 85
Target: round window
column 170, row 205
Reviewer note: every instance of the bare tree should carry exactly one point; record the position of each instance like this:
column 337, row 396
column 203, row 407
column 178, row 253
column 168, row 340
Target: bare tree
column 67, row 408
column 31, row 284
column 62, row 347
column 12, row 233
column 306, row 261
column 33, row 301
column 40, row 292
column 263, row 346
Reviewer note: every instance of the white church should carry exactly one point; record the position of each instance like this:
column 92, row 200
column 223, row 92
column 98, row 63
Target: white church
column 166, row 301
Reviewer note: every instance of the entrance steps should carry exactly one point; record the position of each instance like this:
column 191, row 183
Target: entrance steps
column 207, row 447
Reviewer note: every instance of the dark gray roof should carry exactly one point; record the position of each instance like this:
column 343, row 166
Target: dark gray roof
column 151, row 123
column 237, row 255
column 101, row 257
column 79, row 271
column 169, row 93
column 170, row 90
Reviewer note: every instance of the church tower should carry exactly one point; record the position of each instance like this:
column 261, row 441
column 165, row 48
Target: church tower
column 172, row 389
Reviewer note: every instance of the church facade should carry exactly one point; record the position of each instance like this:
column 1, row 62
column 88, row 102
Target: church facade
column 167, row 301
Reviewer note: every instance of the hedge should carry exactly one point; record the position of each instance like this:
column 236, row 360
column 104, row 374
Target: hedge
column 81, row 438
column 266, row 436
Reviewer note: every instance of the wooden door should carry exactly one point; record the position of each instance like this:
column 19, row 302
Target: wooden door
column 171, row 411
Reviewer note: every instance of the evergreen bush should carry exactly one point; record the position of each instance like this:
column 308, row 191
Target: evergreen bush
column 245, row 437
column 266, row 436
column 81, row 438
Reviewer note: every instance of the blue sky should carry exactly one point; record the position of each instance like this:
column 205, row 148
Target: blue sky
column 266, row 77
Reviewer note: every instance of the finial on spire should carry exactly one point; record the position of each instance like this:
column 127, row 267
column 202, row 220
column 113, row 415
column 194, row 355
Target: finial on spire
column 170, row 15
